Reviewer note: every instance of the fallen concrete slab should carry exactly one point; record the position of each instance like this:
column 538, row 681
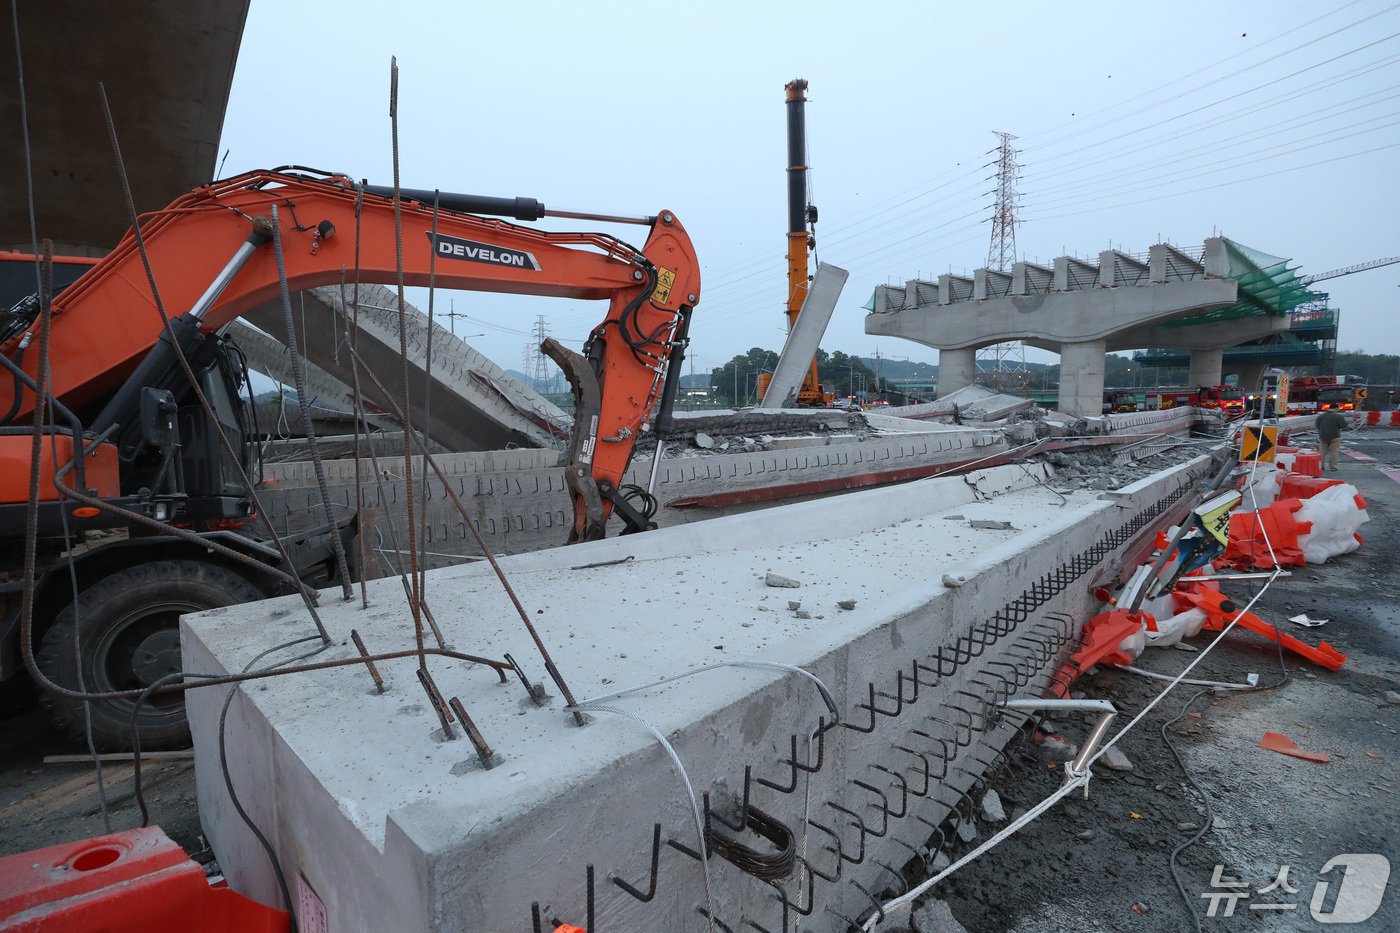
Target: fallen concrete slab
column 520, row 502
column 390, row 826
column 473, row 404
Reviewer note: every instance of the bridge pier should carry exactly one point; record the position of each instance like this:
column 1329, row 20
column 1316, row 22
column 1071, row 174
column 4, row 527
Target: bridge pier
column 957, row 369
column 1207, row 365
column 1081, row 378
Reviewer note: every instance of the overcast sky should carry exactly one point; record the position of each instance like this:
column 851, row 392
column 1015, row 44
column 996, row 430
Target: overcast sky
column 1273, row 122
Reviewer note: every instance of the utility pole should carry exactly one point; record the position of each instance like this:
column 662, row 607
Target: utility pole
column 452, row 316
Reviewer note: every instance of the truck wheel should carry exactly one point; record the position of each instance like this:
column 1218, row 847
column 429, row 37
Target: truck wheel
column 128, row 628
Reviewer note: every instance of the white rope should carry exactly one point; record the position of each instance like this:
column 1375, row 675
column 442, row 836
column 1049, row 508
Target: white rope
column 685, row 779
column 1082, row 780
column 1075, row 781
column 762, row 665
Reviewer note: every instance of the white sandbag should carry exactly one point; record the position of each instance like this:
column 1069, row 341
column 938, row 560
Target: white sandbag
column 1262, row 492
column 1182, row 625
column 1335, row 518
column 1135, row 643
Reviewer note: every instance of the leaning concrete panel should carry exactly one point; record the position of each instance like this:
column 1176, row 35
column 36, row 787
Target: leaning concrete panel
column 395, row 828
column 473, row 403
column 796, row 360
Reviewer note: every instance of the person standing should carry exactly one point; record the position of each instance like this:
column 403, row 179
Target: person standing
column 1330, row 425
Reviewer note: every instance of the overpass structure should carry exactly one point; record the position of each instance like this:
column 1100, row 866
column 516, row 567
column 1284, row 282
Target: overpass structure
column 1202, row 302
column 166, row 69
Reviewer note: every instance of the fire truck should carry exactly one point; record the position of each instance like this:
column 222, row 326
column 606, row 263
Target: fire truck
column 1228, row 398
column 1310, row 394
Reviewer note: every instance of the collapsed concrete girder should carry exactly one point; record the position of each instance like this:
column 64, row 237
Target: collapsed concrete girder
column 400, row 828
column 474, row 404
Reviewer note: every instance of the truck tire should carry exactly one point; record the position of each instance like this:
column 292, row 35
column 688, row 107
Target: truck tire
column 128, row 628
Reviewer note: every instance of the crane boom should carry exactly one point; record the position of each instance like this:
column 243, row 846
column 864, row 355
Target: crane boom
column 1348, row 270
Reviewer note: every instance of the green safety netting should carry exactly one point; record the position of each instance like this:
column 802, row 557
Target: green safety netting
column 1267, row 285
column 1280, row 348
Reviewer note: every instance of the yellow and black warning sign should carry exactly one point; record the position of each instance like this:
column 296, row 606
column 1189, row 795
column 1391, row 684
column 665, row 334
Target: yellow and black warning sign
column 1213, row 516
column 665, row 279
column 1260, row 443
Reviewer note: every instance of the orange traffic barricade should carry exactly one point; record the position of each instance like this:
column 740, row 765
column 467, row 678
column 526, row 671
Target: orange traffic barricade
column 1220, row 610
column 1373, row 417
column 129, row 882
column 1248, row 547
column 1298, row 486
column 1309, row 464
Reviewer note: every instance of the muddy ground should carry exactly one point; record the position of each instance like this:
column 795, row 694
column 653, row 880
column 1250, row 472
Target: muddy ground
column 1095, row 864
column 1102, row 863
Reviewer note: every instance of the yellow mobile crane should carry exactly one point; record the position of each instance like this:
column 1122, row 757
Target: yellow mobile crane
column 801, row 237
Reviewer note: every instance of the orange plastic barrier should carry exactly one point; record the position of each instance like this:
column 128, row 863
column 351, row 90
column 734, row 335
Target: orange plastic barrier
column 1298, row 486
column 130, row 882
column 1247, row 545
column 1099, row 644
column 1308, row 464
column 1220, row 610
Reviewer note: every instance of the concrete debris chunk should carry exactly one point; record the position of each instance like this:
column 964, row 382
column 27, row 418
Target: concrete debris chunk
column 1055, row 748
column 1086, row 835
column 1116, row 760
column 777, row 579
column 794, row 605
column 802, row 614
column 991, row 525
column 967, row 832
column 1392, row 698
column 940, row 861
column 952, row 580
column 935, row 916
column 704, row 441
column 846, row 604
column 992, row 808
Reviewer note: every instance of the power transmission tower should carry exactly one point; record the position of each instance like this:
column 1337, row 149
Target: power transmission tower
column 1004, row 364
column 538, row 364
column 1001, row 252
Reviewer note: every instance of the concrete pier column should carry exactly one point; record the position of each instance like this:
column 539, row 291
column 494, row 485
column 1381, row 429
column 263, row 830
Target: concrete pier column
column 1081, row 378
column 1206, row 367
column 1250, row 374
column 957, row 369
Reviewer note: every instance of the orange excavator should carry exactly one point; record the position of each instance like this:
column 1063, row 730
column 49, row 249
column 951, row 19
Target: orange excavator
column 129, row 443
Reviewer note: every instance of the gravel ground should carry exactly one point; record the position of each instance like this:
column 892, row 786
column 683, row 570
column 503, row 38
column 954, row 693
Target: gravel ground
column 1102, row 863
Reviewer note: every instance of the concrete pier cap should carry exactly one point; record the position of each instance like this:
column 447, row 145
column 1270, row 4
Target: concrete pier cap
column 370, row 809
column 1079, row 309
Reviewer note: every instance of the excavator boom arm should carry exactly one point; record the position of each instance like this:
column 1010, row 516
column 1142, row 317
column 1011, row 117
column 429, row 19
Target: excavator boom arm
column 332, row 231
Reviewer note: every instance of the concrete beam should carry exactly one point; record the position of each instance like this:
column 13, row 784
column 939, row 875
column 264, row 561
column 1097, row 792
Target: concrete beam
column 395, row 827
column 167, row 68
column 1119, row 270
column 270, row 356
column 1169, row 264
column 1054, row 318
column 1027, row 278
column 795, row 362
column 474, row 404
